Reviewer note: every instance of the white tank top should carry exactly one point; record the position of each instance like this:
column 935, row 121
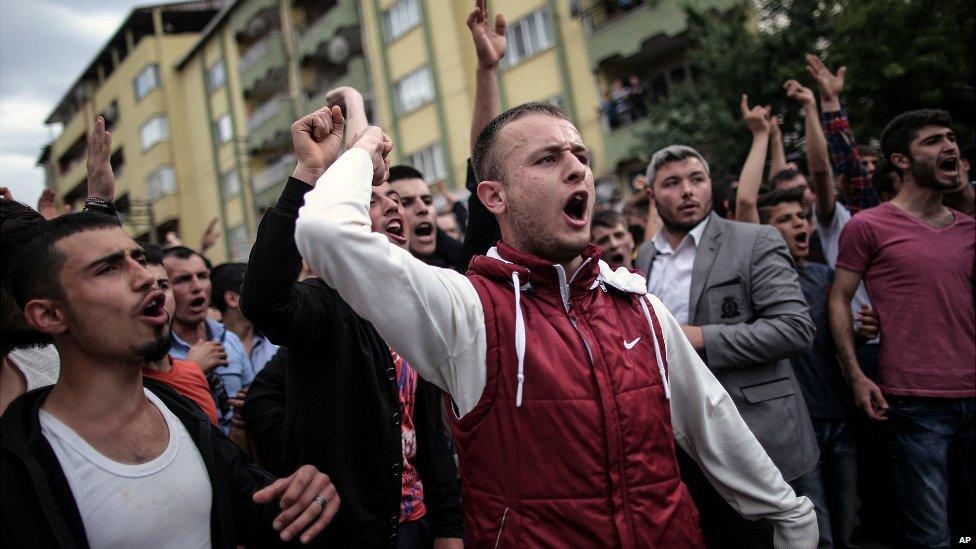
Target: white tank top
column 161, row 503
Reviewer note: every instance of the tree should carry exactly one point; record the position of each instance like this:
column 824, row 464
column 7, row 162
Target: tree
column 900, row 54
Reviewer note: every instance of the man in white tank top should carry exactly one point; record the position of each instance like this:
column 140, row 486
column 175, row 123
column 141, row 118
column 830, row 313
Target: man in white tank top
column 105, row 459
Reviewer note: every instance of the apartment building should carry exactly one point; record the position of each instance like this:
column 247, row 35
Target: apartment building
column 133, row 83
column 566, row 52
column 200, row 95
column 221, row 101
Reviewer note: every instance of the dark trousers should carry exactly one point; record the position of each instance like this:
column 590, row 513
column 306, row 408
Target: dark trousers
column 921, row 435
column 838, row 471
column 722, row 526
column 414, row 535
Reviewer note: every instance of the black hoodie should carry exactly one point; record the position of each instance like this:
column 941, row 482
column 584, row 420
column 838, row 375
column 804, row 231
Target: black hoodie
column 38, row 509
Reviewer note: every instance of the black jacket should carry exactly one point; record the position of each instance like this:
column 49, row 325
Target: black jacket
column 342, row 405
column 40, row 511
column 264, row 414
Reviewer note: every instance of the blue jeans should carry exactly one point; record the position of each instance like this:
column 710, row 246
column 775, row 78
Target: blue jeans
column 920, row 432
column 838, row 471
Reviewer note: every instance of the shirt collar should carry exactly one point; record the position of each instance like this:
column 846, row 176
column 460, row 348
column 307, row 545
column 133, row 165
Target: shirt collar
column 662, row 245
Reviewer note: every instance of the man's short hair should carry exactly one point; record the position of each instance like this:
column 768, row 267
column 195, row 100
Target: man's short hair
column 867, row 150
column 154, row 253
column 404, row 172
column 182, row 252
column 608, row 219
column 783, row 176
column 223, row 277
column 484, row 159
column 776, row 197
column 672, row 153
column 35, row 267
column 899, row 133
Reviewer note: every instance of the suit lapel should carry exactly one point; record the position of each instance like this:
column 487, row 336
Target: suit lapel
column 707, row 251
column 649, row 252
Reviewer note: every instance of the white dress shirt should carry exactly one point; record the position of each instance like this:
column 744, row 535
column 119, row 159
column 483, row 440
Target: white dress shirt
column 670, row 278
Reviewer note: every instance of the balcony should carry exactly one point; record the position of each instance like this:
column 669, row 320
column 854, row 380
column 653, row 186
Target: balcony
column 251, row 15
column 273, row 174
column 355, row 76
column 315, row 38
column 624, row 142
column 260, row 60
column 270, row 119
column 621, row 32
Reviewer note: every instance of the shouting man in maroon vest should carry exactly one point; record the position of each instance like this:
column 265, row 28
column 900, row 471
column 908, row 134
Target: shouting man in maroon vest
column 569, row 383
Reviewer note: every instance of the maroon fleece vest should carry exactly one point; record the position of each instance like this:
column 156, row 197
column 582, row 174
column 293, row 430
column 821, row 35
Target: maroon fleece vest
column 588, row 459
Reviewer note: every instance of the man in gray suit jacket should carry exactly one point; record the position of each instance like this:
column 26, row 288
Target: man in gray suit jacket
column 733, row 288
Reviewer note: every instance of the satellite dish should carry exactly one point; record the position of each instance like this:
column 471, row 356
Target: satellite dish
column 337, row 50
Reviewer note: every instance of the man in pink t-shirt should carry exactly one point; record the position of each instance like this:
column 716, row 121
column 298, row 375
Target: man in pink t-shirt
column 917, row 259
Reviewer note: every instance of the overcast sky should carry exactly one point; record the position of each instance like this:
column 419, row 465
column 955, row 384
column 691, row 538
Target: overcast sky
column 44, row 46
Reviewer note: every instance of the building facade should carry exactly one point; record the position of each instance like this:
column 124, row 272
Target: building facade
column 200, row 96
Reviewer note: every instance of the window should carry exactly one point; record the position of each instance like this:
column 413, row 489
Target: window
column 240, row 243
column 161, row 182
column 154, row 131
column 147, row 81
column 430, row 162
column 223, row 129
column 528, row 36
column 414, row 90
column 230, row 184
column 401, row 17
column 215, row 76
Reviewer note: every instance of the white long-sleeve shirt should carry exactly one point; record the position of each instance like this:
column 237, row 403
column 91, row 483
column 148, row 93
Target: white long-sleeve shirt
column 434, row 318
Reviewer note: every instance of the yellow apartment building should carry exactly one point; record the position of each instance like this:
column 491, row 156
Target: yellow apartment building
column 200, row 95
column 566, row 52
column 133, row 83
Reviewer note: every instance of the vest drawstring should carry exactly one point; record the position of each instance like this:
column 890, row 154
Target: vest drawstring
column 519, row 339
column 657, row 349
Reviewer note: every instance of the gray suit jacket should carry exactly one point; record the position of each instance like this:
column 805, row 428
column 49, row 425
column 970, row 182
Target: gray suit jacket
column 746, row 297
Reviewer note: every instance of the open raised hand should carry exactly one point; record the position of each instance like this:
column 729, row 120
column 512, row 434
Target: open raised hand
column 755, row 118
column 210, row 236
column 830, row 84
column 317, row 138
column 101, row 179
column 48, row 207
column 488, row 43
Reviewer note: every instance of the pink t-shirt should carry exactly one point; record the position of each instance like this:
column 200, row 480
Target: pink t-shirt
column 920, row 279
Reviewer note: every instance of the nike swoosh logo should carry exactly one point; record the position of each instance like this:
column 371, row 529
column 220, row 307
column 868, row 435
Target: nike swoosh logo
column 630, row 344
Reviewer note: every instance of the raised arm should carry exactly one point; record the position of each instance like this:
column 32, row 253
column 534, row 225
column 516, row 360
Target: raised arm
column 100, row 177
column 431, row 316
column 817, row 162
column 489, row 44
column 777, row 154
column 757, row 120
column 708, row 427
column 844, row 156
column 353, row 108
column 287, row 312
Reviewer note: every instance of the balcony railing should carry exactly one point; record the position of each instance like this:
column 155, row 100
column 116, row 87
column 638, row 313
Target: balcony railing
column 255, row 54
column 273, row 173
column 600, row 13
column 264, row 112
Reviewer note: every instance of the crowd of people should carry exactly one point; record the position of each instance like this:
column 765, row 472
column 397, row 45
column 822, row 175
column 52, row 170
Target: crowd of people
column 786, row 359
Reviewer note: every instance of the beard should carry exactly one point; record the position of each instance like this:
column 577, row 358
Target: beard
column 677, row 226
column 925, row 176
column 154, row 350
column 538, row 241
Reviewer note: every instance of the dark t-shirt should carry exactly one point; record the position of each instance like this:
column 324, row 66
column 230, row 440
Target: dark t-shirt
column 817, row 370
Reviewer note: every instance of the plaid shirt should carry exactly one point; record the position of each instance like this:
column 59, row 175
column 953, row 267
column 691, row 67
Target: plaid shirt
column 412, row 489
column 857, row 190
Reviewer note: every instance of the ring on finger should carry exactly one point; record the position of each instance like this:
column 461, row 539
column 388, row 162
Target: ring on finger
column 320, row 500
